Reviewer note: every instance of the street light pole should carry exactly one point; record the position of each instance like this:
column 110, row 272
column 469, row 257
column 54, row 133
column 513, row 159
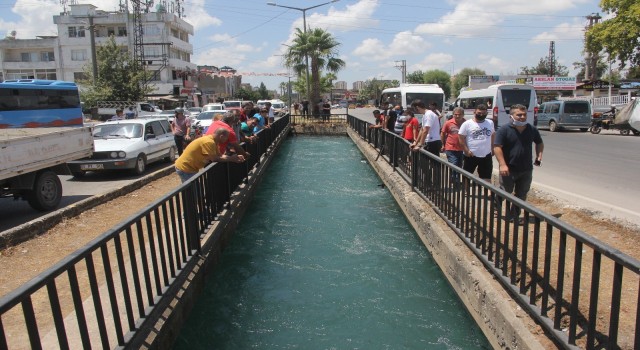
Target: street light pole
column 304, row 23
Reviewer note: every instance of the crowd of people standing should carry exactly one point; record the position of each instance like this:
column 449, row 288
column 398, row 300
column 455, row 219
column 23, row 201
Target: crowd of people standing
column 470, row 144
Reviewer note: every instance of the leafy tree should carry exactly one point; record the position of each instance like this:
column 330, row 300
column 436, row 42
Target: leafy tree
column 321, row 49
column 601, row 68
column 263, row 92
column 618, row 36
column 416, row 77
column 373, row 88
column 633, row 73
column 245, row 94
column 440, row 77
column 543, row 69
column 462, row 78
column 120, row 77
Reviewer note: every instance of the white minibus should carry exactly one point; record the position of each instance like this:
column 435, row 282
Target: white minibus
column 406, row 93
column 499, row 99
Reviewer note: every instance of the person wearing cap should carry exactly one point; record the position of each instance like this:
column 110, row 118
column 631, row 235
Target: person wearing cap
column 181, row 127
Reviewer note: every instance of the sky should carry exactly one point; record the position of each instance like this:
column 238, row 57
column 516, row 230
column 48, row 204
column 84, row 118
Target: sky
column 497, row 36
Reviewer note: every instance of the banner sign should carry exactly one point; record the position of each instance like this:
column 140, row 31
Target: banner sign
column 554, row 83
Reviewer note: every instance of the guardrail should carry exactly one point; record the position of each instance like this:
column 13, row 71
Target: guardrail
column 106, row 292
column 602, row 101
column 583, row 292
column 331, row 118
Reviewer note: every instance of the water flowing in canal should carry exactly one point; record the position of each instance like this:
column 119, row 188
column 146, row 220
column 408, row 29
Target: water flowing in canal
column 325, row 259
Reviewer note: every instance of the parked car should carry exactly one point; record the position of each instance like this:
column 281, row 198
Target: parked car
column 194, row 111
column 213, row 107
column 127, row 144
column 571, row 114
column 205, row 119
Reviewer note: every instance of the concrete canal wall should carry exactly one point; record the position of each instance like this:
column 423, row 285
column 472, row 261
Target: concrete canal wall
column 503, row 322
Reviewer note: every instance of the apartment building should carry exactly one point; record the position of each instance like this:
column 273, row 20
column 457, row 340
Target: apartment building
column 167, row 49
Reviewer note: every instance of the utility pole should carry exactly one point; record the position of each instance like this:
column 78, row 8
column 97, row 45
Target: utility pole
column 592, row 59
column 552, row 58
column 94, row 59
column 402, row 66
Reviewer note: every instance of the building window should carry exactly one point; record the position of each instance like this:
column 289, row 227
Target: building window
column 111, row 31
column 76, row 32
column 20, row 74
column 47, row 57
column 29, row 57
column 48, row 74
column 151, row 29
column 122, row 31
column 78, row 55
column 79, row 76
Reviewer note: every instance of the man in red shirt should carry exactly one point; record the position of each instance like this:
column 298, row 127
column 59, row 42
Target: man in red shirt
column 227, row 121
column 450, row 141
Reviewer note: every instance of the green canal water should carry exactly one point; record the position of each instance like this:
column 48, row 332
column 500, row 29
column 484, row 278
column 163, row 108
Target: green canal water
column 325, row 259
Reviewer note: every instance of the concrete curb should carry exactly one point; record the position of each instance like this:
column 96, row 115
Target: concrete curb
column 40, row 225
column 499, row 317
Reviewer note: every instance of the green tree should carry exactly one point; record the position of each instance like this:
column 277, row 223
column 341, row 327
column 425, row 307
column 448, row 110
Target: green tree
column 440, row 77
column 321, row 49
column 543, row 69
column 618, row 36
column 633, row 73
column 462, row 78
column 120, row 77
column 601, row 68
column 416, row 77
column 373, row 88
column 245, row 94
column 263, row 92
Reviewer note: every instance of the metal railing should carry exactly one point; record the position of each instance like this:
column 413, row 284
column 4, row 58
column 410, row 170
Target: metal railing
column 583, row 292
column 104, row 293
column 331, row 118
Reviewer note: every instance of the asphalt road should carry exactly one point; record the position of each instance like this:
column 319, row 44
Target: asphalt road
column 597, row 172
column 17, row 212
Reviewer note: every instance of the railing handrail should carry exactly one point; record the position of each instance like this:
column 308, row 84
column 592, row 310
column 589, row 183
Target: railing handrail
column 538, row 281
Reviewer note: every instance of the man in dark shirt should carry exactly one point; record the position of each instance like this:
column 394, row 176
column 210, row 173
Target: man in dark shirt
column 512, row 148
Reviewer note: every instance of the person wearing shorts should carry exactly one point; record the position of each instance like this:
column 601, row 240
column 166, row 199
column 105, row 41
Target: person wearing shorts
column 476, row 138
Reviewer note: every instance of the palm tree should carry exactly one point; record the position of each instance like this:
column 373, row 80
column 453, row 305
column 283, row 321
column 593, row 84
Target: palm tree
column 321, row 49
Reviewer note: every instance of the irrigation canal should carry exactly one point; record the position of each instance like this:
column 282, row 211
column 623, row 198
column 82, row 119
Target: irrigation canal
column 325, row 259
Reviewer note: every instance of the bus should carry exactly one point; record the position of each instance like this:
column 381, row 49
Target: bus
column 498, row 99
column 33, row 103
column 404, row 94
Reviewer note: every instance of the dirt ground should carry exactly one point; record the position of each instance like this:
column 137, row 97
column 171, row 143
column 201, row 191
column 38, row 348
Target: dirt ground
column 25, row 261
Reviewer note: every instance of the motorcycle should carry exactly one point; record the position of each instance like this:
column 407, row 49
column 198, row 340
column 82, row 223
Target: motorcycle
column 607, row 121
column 196, row 131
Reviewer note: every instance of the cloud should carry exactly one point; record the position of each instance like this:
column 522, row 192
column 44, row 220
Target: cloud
column 198, row 16
column 563, row 31
column 476, row 18
column 402, row 44
column 432, row 61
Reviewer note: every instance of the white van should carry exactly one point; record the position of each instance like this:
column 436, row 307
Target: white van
column 406, row 93
column 499, row 99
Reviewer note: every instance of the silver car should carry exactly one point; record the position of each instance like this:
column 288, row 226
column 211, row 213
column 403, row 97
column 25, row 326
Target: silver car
column 128, row 144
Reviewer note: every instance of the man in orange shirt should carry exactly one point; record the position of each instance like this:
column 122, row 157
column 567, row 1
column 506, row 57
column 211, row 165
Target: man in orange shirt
column 451, row 143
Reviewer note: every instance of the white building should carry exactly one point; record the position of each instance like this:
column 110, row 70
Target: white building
column 340, row 85
column 358, row 85
column 66, row 56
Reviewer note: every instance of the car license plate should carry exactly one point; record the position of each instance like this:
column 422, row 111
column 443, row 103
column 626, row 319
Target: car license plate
column 91, row 167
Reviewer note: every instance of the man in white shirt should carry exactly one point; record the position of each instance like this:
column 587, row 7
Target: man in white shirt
column 271, row 116
column 430, row 133
column 476, row 137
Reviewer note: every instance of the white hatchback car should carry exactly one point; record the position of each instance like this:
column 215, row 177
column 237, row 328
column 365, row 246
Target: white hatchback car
column 127, row 144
